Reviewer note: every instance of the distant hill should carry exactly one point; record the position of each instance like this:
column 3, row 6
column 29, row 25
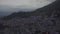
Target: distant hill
column 52, row 9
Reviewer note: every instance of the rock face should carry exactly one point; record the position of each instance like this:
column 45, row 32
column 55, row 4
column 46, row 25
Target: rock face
column 46, row 19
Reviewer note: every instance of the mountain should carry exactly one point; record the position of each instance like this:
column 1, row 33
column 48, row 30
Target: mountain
column 54, row 6
column 46, row 19
column 47, row 11
column 50, row 9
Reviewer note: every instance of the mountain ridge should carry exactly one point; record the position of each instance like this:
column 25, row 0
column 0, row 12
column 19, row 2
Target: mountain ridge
column 47, row 11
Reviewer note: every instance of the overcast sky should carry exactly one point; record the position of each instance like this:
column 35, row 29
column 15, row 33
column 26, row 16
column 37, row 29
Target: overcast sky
column 17, row 5
column 31, row 3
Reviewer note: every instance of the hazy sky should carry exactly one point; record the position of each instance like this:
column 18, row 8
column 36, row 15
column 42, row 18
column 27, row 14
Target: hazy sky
column 9, row 6
column 31, row 3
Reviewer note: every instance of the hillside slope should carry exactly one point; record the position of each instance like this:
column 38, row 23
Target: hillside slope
column 46, row 19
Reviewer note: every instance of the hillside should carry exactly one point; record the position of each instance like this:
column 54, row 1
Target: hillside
column 45, row 19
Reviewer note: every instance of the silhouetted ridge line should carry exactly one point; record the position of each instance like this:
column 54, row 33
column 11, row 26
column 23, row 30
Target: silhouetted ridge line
column 49, row 10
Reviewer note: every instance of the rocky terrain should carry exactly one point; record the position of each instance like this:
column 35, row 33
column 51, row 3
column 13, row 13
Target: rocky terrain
column 46, row 19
